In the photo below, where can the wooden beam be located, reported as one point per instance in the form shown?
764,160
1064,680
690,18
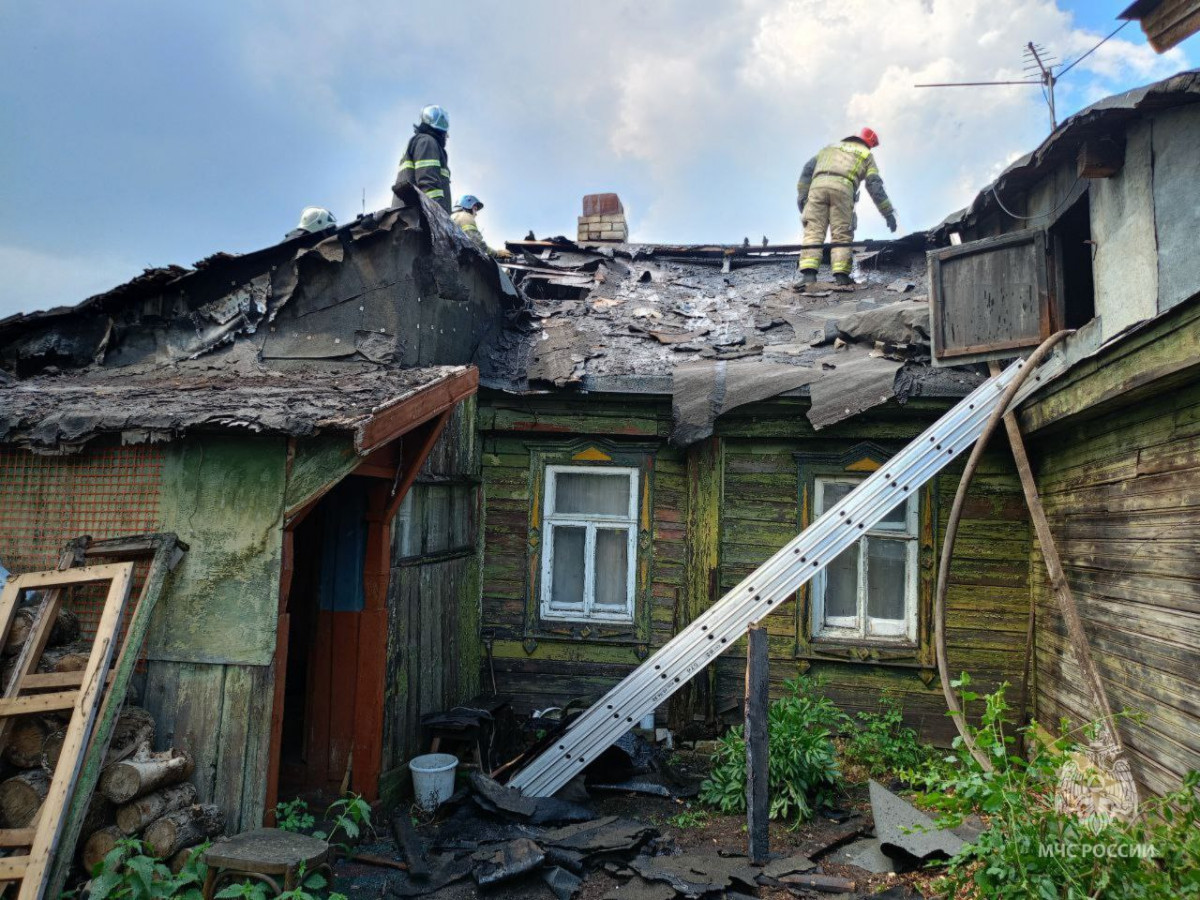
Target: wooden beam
1062,591
38,703
41,681
758,795
16,837
412,458
56,578
404,415
86,707
13,867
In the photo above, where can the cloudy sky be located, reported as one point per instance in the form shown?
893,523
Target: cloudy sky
140,133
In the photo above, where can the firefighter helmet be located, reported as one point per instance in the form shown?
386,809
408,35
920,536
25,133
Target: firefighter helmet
869,137
436,118
470,202
314,219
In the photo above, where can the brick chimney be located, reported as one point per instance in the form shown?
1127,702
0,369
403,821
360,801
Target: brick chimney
603,219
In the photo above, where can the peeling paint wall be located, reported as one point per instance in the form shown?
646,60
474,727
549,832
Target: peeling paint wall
224,496
761,448
207,680
1125,266
1177,204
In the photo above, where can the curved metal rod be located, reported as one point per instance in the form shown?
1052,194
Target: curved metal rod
943,579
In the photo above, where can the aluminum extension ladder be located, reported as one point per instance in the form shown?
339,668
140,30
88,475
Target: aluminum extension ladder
771,584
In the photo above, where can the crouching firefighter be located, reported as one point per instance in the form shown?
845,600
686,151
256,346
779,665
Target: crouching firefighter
826,194
425,162
464,216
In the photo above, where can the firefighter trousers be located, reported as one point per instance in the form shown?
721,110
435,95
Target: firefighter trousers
829,206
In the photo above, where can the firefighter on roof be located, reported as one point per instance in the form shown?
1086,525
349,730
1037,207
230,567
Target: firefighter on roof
425,163
826,194
464,217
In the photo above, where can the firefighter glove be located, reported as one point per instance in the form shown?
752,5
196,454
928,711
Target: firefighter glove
890,218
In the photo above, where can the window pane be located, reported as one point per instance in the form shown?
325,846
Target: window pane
438,518
462,525
841,585
897,519
406,527
832,492
612,567
885,578
566,589
605,495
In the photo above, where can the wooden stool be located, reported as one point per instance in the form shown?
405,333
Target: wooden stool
265,855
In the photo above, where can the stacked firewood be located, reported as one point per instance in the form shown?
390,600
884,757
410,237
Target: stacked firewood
141,794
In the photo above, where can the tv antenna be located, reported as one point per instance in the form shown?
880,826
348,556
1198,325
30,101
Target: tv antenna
1040,67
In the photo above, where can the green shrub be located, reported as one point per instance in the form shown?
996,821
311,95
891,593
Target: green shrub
293,815
803,759
1030,850
309,888
128,872
882,744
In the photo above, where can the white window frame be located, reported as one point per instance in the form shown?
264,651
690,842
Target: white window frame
586,610
862,627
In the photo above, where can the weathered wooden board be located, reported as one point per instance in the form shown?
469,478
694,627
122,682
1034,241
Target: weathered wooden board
1121,493
222,716
743,493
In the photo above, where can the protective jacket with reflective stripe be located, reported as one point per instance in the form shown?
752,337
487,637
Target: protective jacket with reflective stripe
465,219
426,165
847,163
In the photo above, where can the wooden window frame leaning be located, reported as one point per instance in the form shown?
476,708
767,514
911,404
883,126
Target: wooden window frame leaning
583,454
860,460
33,870
165,551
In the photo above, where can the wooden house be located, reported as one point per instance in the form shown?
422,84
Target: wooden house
681,414
1096,230
279,411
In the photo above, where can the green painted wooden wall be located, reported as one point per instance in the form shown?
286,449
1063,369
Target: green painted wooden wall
727,505
434,647
1118,467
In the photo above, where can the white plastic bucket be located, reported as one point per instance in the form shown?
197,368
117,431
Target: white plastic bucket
433,779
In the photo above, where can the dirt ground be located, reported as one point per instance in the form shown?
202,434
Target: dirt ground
698,829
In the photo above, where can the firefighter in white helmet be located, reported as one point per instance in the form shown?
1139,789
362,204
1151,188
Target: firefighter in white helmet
312,220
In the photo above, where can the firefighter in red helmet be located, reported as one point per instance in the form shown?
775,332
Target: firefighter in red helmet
826,194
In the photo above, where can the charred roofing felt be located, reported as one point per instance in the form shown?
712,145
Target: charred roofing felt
716,328
62,412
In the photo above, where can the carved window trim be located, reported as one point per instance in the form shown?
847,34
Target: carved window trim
862,459
586,453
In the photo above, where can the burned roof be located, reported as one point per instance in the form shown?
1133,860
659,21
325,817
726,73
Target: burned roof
699,323
1104,119
60,413
378,290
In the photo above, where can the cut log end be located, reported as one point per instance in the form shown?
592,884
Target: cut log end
144,772
139,813
184,828
98,845
21,796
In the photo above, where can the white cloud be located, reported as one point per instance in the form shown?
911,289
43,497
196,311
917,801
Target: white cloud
700,113
811,71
